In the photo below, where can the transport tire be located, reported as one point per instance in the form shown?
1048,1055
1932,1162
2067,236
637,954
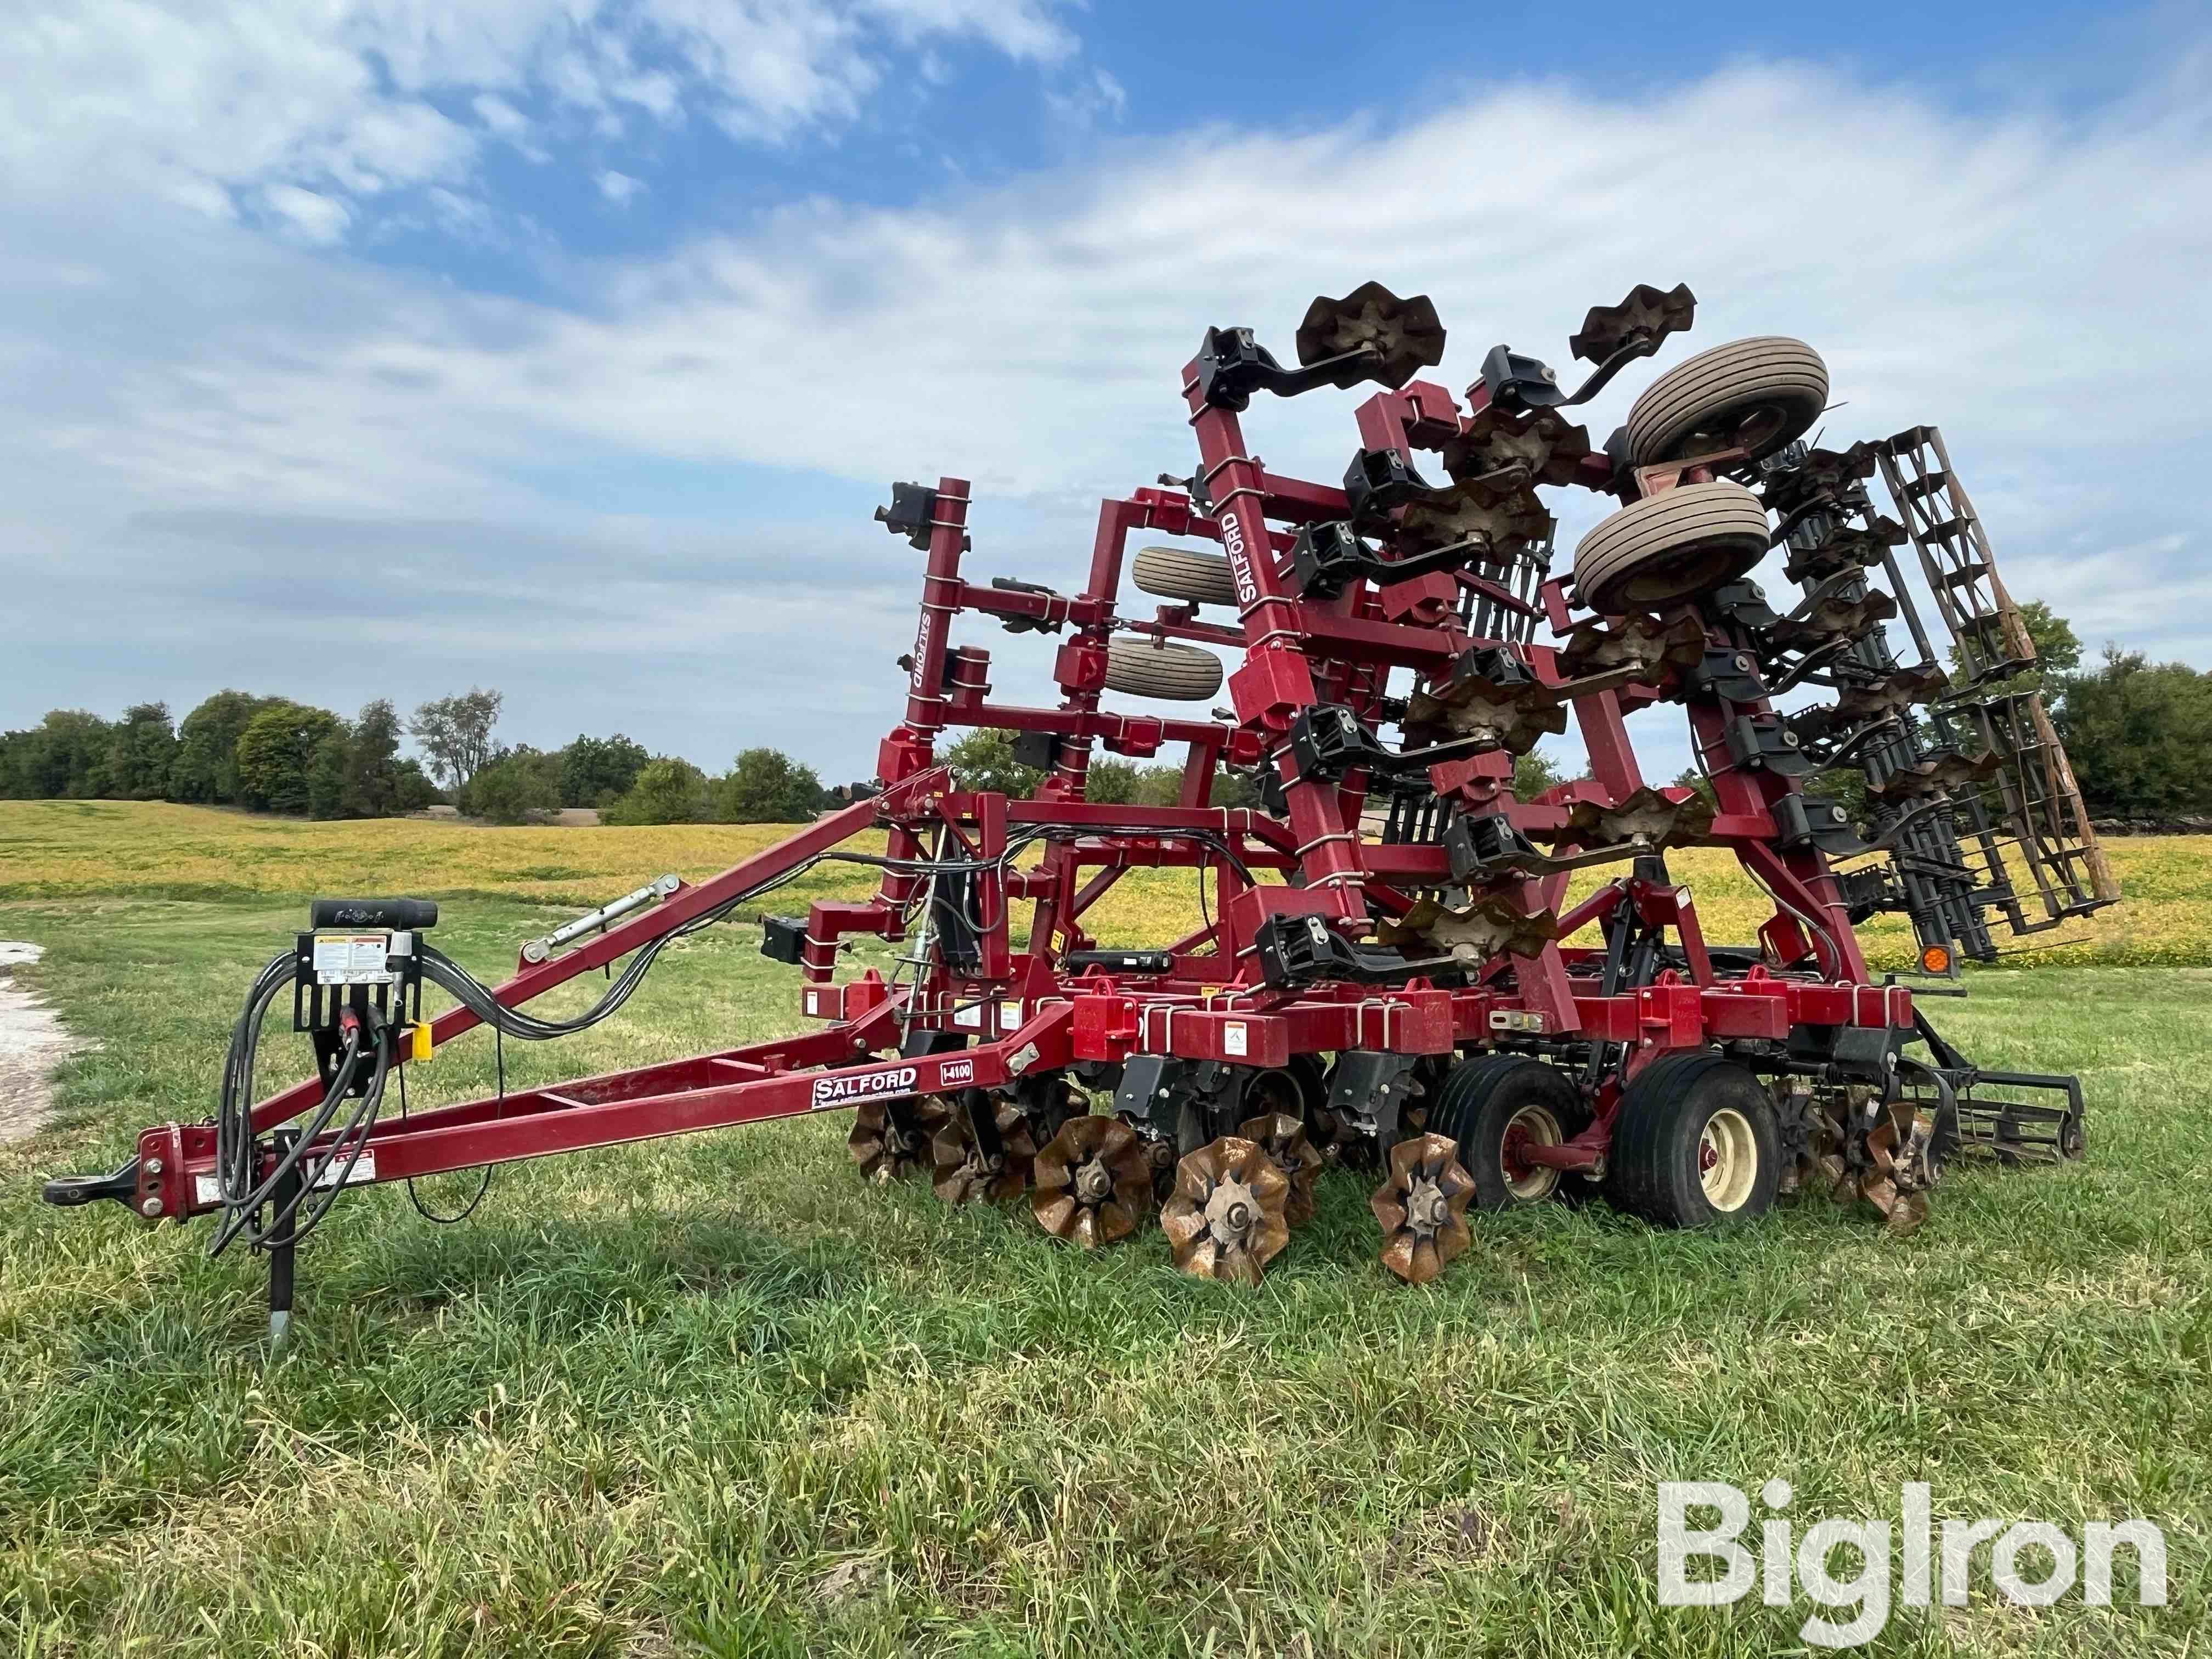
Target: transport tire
1696,1144
1165,669
1669,547
1760,393
1177,573
1494,1103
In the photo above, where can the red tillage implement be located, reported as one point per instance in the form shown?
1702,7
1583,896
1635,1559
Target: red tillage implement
1386,978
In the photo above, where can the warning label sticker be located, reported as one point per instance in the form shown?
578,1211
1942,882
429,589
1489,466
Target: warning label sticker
363,1171
352,958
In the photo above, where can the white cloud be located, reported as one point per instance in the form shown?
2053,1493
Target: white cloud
316,219
618,187
2014,279
188,101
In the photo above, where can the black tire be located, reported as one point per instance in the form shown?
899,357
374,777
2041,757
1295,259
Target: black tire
1760,393
1490,1095
1670,547
1179,573
1659,1167
1162,668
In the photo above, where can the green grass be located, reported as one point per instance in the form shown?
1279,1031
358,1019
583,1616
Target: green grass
716,1394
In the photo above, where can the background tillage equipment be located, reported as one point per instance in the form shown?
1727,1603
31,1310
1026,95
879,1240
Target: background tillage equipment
1385,975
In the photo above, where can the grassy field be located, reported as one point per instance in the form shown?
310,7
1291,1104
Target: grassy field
111,850
714,1394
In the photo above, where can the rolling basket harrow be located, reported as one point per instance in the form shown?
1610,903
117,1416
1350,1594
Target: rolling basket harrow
1389,978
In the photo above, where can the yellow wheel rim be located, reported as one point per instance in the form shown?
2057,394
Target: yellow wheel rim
1728,1160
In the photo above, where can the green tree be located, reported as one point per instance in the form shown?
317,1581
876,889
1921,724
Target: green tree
326,775
520,785
370,785
1162,786
1846,786
1534,773
141,751
455,732
2139,735
593,770
206,764
67,755
276,755
766,786
1112,782
667,791
416,789
984,760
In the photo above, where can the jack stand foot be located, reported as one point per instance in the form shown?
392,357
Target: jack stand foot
281,1247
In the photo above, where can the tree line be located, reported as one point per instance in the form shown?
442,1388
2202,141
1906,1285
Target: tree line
2139,734
265,754
269,754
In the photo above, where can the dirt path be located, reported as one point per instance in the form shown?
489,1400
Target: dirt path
32,1043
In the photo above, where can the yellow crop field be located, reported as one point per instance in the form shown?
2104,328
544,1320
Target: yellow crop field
99,849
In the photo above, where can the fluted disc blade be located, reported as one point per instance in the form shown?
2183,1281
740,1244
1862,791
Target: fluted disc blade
886,1143
1225,1219
961,1170
1092,1181
1422,1208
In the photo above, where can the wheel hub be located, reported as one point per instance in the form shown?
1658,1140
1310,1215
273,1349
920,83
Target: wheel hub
1230,1212
1427,1209
1728,1160
1525,1178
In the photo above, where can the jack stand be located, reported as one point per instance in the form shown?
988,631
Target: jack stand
280,1247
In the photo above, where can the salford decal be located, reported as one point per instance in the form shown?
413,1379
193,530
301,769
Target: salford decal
921,647
841,1088
1240,567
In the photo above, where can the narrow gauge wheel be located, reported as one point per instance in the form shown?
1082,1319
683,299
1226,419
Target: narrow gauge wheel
1696,1144
1179,573
1757,395
1224,1219
1094,1183
1670,547
1167,669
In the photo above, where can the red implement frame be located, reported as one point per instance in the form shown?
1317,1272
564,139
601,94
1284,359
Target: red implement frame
1017,1006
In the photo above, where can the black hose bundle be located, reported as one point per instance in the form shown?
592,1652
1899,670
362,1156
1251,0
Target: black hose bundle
242,1187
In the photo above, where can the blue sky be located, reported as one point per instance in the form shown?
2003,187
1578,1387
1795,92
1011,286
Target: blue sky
564,346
